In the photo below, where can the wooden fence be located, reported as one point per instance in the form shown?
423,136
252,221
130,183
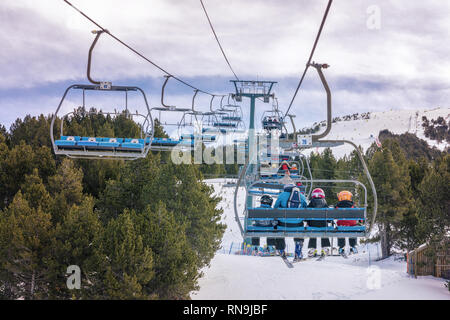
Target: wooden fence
424,262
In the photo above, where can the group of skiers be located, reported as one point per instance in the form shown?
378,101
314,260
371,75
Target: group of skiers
293,197
272,122
286,169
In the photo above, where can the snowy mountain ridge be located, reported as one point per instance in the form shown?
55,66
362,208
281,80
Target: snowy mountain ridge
364,131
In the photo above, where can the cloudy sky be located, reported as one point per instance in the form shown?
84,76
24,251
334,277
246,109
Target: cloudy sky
399,61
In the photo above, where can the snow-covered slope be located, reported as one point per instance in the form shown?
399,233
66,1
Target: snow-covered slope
363,132
359,277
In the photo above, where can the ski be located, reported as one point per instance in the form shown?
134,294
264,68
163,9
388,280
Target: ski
321,258
287,262
300,260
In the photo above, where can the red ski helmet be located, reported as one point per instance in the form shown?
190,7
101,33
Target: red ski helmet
318,194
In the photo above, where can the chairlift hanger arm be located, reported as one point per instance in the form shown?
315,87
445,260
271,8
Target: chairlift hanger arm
221,102
327,89
162,92
292,116
193,99
211,103
98,34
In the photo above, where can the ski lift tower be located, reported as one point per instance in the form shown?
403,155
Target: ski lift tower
252,90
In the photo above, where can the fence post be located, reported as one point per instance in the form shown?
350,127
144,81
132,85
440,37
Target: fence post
407,262
415,264
378,252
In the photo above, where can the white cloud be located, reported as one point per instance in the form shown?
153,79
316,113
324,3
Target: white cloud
263,38
46,41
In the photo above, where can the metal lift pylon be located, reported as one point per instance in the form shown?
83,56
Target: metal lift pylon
253,90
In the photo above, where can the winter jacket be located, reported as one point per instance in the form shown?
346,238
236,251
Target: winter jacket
283,199
264,223
317,203
282,202
346,204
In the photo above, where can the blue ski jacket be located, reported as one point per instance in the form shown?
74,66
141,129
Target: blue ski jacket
283,198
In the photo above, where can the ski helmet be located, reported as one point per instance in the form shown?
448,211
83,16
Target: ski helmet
265,199
318,194
345,195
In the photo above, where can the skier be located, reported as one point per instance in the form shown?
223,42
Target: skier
284,168
285,200
266,202
294,168
318,201
345,199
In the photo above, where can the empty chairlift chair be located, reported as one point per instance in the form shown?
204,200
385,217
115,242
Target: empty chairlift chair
95,147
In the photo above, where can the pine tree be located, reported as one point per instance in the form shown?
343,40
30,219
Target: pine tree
33,131
129,260
175,261
159,222
66,188
390,175
17,165
434,202
26,245
78,241
4,154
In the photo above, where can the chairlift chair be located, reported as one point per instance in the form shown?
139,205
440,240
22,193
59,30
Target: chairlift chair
292,222
125,148
168,144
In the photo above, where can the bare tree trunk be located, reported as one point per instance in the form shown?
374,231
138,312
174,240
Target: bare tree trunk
384,242
32,284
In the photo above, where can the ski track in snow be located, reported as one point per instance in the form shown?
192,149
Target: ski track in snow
267,278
